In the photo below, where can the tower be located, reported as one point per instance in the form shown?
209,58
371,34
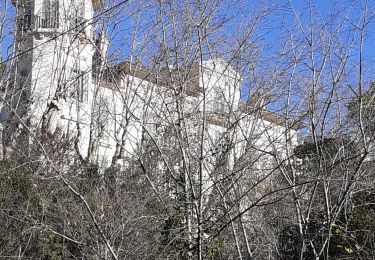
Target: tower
52,69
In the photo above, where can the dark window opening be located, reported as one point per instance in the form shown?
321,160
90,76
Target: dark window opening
49,17
78,87
77,19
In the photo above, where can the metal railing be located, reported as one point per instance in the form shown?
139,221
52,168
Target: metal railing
46,21
50,21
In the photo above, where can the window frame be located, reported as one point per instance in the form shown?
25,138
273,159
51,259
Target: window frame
79,87
50,15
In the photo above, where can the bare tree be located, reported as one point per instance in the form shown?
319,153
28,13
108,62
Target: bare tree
168,129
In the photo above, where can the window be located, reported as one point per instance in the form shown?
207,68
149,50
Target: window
24,20
77,17
24,73
49,17
219,102
78,88
27,15
23,76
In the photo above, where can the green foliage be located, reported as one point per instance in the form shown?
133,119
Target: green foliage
171,231
28,206
15,185
325,149
2,68
90,177
353,235
290,243
365,104
217,247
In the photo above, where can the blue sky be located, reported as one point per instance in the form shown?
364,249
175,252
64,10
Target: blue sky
275,24
271,32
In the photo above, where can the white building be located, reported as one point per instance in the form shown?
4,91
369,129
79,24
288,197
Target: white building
61,84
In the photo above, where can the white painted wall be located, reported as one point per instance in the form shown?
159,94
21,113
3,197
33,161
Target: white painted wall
124,111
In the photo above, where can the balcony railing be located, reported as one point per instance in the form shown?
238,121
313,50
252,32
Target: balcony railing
46,21
77,25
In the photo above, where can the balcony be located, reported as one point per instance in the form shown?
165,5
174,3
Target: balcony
39,23
46,21
49,23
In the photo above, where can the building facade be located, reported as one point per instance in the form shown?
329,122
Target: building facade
63,84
